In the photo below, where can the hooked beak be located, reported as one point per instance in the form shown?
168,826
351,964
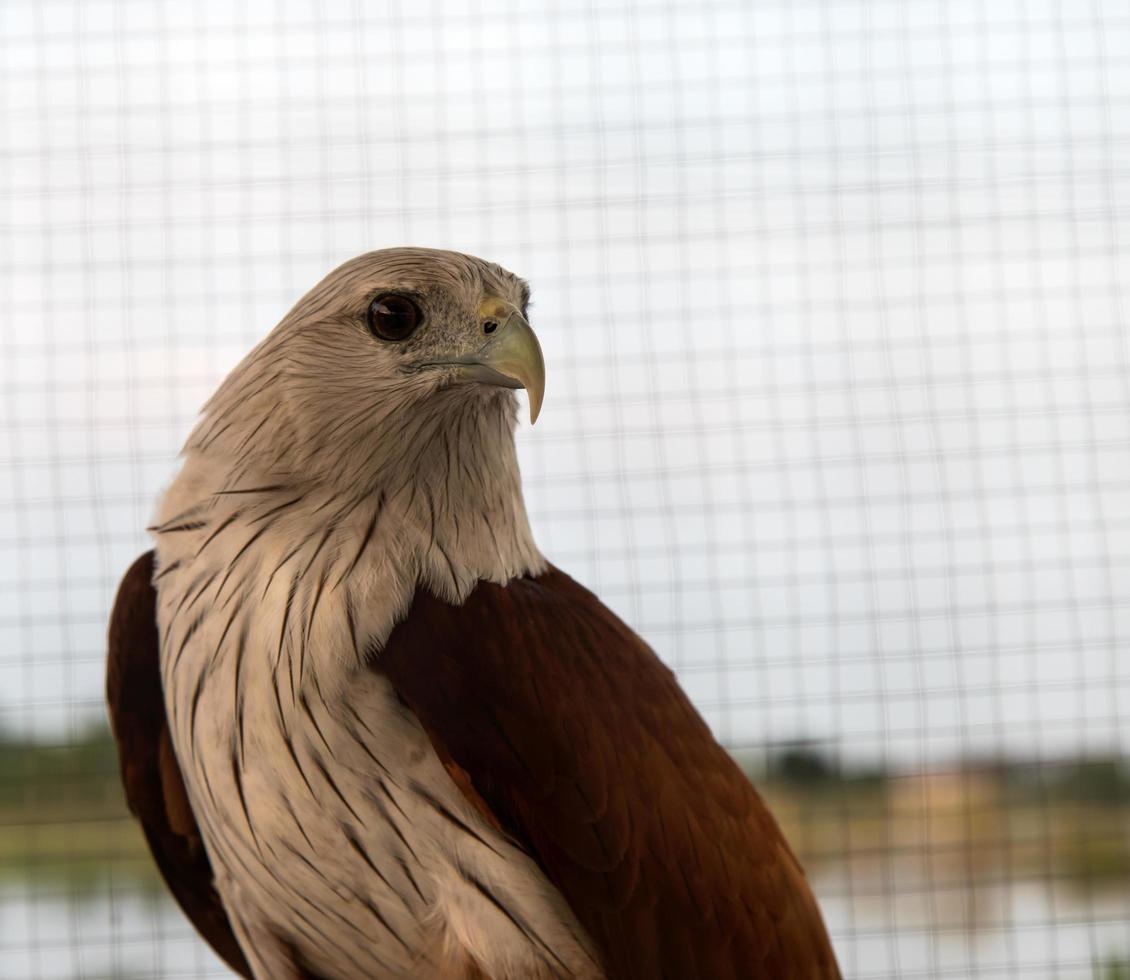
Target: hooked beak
511,358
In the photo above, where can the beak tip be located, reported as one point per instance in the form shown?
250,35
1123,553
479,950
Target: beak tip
513,359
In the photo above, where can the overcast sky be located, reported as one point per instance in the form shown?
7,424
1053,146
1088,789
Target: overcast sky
838,400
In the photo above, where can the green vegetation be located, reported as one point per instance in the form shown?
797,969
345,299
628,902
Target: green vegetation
37,774
958,830
1066,820
62,815
1117,968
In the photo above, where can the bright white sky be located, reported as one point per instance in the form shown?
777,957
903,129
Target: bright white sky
838,410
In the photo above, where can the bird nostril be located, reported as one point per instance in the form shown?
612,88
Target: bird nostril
490,326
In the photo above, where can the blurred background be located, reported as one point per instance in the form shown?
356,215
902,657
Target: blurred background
832,298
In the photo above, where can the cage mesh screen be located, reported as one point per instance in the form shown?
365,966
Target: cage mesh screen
837,416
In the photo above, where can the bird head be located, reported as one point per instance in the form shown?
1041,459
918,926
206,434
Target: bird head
388,351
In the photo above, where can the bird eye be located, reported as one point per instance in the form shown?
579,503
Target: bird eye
393,317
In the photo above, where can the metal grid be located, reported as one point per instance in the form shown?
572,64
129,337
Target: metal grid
838,408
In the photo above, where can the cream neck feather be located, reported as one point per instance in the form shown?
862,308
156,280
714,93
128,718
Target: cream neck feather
318,558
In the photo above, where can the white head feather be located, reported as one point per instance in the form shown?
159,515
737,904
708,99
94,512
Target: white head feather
330,466
334,473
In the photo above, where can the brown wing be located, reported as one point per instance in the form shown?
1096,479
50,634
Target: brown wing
154,788
585,748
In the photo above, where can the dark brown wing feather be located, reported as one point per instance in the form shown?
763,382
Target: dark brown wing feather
154,788
584,747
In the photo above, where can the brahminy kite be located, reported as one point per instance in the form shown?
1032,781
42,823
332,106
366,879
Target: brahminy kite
370,731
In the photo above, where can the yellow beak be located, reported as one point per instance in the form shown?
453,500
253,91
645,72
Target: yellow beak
511,358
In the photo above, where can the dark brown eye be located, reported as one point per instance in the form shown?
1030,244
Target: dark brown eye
393,317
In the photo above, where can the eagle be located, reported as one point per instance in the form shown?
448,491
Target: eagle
370,731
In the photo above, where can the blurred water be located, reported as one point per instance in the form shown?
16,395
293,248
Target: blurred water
1025,929
112,930
1028,930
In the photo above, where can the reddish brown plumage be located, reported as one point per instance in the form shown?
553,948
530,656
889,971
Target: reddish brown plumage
587,751
565,730
153,785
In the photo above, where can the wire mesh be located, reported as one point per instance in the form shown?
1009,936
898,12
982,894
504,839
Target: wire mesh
838,408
